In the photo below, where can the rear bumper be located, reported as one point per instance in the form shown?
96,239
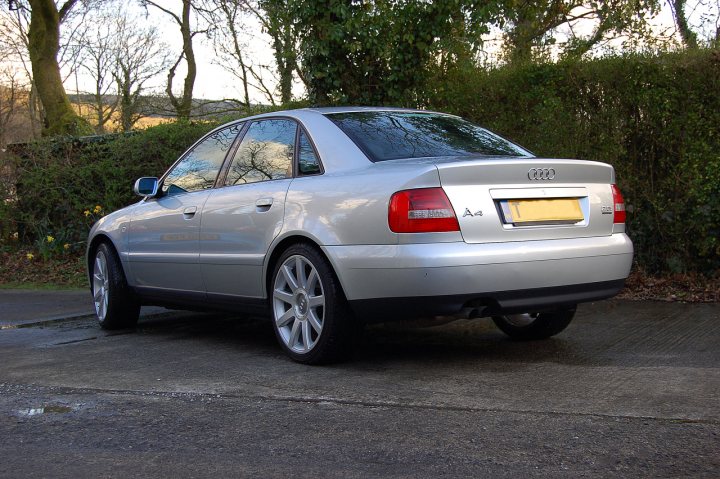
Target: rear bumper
442,278
486,304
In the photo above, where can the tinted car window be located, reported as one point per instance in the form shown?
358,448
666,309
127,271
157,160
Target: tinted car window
387,135
265,153
198,170
307,158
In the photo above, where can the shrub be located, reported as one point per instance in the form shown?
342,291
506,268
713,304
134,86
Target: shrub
64,184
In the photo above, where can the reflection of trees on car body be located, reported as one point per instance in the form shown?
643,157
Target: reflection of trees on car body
265,153
418,135
199,168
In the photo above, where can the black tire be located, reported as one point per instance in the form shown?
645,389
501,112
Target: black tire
543,326
292,307
122,309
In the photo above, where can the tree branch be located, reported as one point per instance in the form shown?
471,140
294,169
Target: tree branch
65,9
177,18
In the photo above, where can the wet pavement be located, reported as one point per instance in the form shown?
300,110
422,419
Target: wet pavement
24,307
18,307
630,389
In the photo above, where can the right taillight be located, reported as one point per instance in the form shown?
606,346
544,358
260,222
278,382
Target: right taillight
422,210
618,205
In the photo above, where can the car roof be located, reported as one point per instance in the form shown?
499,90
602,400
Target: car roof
348,109
299,113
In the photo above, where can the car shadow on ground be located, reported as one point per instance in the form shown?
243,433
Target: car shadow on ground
621,333
379,344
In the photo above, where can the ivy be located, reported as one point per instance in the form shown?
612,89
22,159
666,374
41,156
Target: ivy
381,52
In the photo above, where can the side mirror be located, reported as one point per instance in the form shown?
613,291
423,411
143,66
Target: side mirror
146,186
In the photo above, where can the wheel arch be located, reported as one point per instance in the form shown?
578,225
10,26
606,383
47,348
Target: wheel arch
92,248
282,244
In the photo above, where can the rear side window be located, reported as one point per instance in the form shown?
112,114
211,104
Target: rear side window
265,153
307,158
392,135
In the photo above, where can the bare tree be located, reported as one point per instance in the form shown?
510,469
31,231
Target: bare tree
99,62
13,99
14,43
230,40
275,17
278,22
184,20
140,56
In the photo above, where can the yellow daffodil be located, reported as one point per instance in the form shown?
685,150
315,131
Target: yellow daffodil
66,246
30,256
86,212
50,239
97,209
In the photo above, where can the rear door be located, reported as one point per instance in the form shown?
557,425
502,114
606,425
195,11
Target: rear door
241,219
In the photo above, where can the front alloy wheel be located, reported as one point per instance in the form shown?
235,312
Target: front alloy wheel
101,285
311,317
116,306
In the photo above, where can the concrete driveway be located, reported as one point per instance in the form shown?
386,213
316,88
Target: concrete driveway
630,389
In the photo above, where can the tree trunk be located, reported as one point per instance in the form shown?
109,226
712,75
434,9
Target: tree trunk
186,104
689,37
183,105
44,43
127,110
520,39
287,66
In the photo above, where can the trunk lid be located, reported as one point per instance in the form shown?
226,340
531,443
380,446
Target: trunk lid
520,199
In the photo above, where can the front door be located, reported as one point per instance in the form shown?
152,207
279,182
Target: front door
164,239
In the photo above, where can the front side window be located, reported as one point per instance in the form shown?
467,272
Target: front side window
393,135
200,167
265,153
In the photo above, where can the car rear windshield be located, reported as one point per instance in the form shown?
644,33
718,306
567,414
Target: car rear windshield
392,135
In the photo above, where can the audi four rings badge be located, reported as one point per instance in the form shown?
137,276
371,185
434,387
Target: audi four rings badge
541,174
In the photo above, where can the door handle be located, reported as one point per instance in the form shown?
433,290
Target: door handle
263,204
189,212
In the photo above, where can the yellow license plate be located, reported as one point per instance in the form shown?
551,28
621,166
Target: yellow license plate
534,211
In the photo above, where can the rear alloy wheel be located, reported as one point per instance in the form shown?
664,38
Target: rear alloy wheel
530,326
311,317
115,304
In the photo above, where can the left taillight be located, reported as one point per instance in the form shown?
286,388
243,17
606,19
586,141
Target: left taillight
618,205
423,210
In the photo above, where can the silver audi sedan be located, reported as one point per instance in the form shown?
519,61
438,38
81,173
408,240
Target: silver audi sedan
330,218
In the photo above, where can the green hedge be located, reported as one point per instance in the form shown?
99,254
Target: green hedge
60,181
656,119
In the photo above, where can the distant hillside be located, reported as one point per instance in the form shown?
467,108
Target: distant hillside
159,106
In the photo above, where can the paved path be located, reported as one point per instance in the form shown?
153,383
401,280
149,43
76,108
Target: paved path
21,307
631,389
